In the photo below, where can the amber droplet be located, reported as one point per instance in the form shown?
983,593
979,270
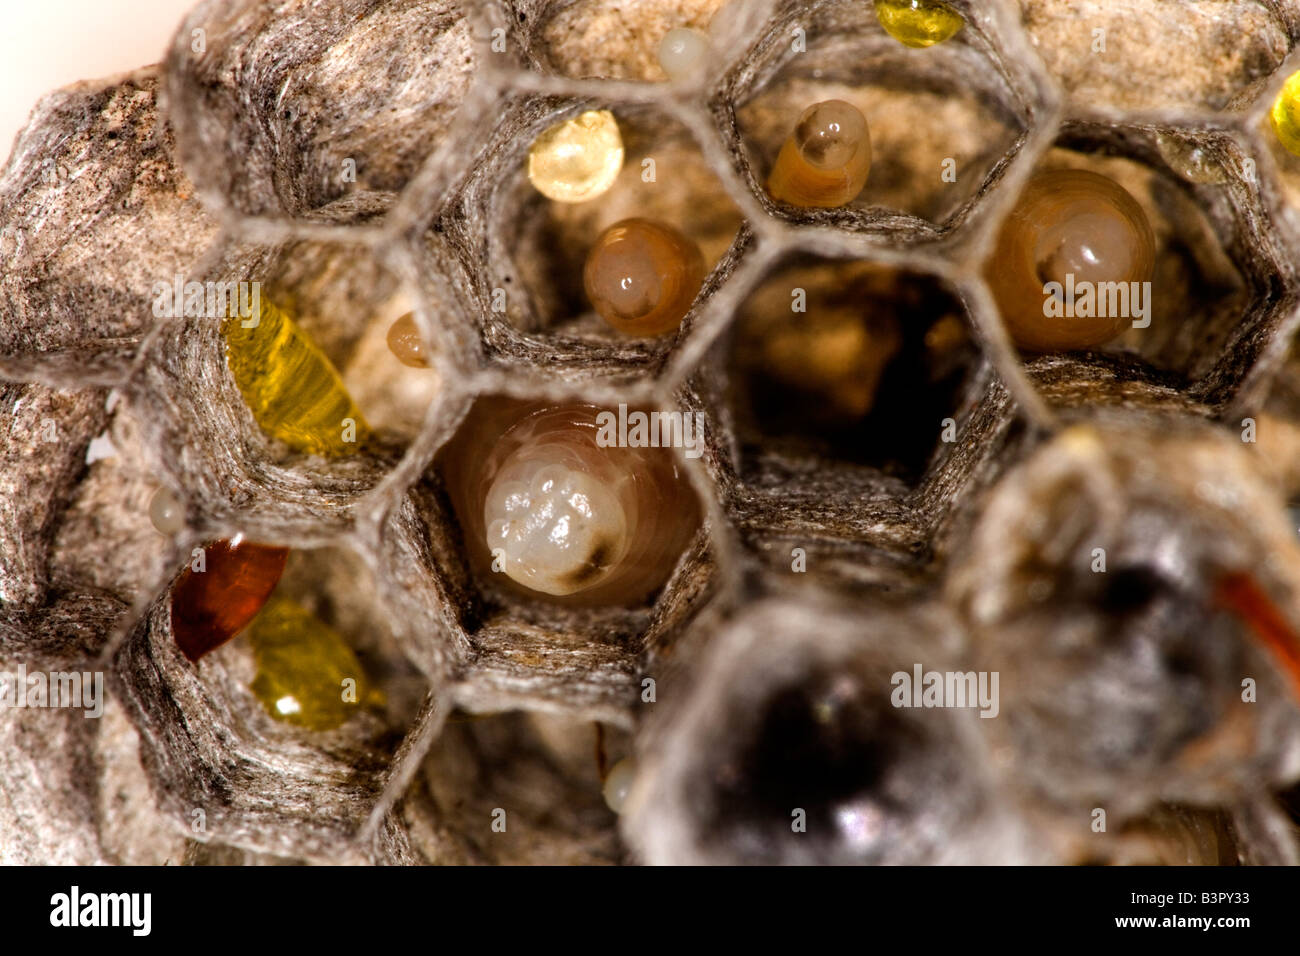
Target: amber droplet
643,276
293,391
1071,231
211,606
546,505
302,664
404,342
826,160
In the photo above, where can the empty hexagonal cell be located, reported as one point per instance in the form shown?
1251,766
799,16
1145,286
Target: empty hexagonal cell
1155,574
282,365
795,746
103,145
525,788
603,280
1152,54
303,707
1142,246
845,373
937,122
352,114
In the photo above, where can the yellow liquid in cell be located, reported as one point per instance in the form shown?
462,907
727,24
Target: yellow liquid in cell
302,664
918,23
289,385
1285,114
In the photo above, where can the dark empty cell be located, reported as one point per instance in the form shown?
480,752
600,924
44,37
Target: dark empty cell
865,375
820,746
1130,589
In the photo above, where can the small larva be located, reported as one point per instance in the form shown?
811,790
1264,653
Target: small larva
825,160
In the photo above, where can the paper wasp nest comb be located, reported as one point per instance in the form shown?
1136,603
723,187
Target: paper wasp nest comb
270,290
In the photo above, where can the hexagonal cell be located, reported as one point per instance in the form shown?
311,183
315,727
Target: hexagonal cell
89,181
353,113
848,375
605,38
281,373
941,121
792,748
526,788
302,710
1150,54
1219,284
524,623
520,267
1136,564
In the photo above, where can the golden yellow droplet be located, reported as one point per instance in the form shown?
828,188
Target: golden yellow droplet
918,23
577,159
1285,114
303,665
289,385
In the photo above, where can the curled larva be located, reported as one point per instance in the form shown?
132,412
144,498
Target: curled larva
1071,229
544,506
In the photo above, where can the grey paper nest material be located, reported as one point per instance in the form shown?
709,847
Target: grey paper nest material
360,157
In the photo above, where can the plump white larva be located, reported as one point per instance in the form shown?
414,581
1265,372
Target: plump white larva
682,51
558,528
549,510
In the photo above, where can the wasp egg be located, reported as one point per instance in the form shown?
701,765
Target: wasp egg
289,385
825,161
643,276
577,159
619,783
918,23
1285,114
682,52
302,666
213,601
167,512
404,342
1072,236
561,511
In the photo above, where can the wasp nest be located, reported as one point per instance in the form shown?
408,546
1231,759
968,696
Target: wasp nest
911,587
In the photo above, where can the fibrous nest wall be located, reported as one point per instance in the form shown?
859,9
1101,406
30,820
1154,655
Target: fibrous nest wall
362,158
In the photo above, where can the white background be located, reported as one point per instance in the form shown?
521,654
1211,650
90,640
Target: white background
45,44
